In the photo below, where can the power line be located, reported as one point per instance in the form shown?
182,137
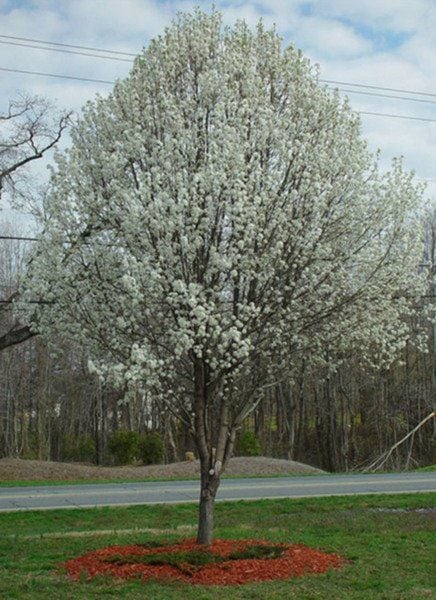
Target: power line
25,39
105,81
112,82
27,302
347,91
34,239
56,76
52,302
22,239
377,114
129,60
134,54
377,87
382,95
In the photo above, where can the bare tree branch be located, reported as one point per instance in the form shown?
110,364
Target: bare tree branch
381,460
28,130
16,336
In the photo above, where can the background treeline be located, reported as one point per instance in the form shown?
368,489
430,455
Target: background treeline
51,408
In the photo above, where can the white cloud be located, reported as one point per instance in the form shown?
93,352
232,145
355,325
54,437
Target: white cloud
401,15
329,38
39,18
113,20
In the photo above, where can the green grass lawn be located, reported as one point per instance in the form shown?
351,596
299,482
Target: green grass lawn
390,550
50,482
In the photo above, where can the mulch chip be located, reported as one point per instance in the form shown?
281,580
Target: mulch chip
297,560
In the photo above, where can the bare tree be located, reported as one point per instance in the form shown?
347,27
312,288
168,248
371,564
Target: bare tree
29,128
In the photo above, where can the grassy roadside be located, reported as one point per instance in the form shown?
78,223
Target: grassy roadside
45,482
385,537
51,482
428,469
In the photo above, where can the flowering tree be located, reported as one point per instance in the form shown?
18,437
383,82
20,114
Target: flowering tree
217,214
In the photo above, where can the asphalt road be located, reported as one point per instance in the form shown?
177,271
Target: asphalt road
123,494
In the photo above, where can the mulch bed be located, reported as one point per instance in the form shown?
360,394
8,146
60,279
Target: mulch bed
222,565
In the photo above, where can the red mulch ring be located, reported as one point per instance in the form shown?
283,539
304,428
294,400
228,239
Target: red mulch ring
295,561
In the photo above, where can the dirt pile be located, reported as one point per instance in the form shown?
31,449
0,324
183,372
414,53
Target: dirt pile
14,469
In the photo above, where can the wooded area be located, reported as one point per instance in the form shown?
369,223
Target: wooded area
52,408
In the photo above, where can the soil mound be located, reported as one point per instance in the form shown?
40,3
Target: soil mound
14,469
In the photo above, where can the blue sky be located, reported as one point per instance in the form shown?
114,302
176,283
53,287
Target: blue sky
389,43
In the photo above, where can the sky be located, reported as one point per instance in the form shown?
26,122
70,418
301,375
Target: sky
389,43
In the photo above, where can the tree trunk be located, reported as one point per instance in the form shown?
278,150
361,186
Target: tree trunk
171,452
209,487
214,438
99,422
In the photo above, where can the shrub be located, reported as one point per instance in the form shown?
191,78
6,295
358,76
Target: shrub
124,446
151,448
78,448
30,450
248,444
